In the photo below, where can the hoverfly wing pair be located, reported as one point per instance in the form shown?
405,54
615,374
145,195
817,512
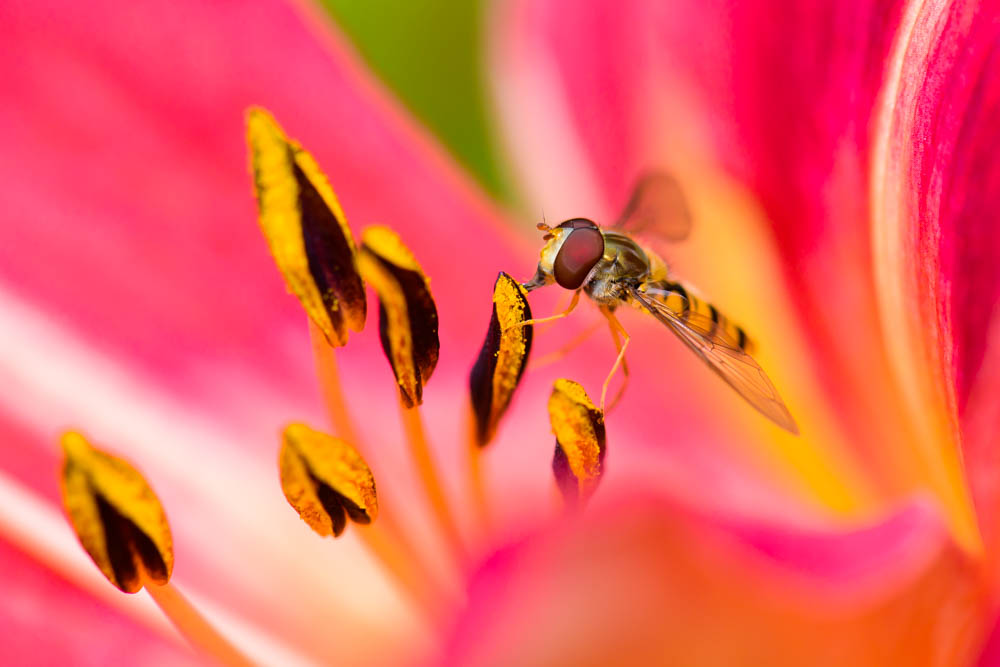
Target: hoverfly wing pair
658,209
723,355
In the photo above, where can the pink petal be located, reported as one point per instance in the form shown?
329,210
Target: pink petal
654,582
48,621
940,179
139,302
990,656
127,178
236,541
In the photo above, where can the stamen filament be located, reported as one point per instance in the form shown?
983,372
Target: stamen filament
424,461
477,486
193,626
386,540
329,382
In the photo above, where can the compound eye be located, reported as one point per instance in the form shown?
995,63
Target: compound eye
578,223
582,249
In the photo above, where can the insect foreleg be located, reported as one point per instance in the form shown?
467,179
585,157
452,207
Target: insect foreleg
622,345
564,299
618,347
558,354
558,316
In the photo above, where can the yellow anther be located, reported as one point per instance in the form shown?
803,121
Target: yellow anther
408,319
580,440
503,357
386,243
305,229
117,517
325,480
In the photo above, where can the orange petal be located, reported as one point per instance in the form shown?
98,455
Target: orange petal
655,582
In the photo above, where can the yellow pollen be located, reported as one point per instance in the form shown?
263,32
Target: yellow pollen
509,299
278,163
386,244
117,517
324,478
408,318
121,524
575,422
397,325
408,323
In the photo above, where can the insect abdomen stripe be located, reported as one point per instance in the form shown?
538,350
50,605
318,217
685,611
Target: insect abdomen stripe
716,318
679,290
742,338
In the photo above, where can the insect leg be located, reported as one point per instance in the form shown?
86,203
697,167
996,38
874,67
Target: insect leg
560,305
616,328
558,354
558,316
618,346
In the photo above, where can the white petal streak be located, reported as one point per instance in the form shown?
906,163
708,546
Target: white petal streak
236,539
31,523
39,529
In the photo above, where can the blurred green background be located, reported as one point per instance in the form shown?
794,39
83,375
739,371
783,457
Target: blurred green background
430,52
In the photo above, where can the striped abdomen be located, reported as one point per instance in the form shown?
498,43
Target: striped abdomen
698,312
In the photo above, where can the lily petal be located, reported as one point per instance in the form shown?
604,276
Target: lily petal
128,177
936,187
143,304
669,582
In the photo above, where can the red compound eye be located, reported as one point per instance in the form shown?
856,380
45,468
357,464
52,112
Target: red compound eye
578,223
581,250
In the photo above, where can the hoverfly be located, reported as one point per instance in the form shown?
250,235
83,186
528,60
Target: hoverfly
612,268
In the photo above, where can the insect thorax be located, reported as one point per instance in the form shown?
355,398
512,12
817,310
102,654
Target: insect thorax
624,261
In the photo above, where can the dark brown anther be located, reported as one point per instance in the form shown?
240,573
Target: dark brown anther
305,229
504,355
325,479
408,319
578,461
116,516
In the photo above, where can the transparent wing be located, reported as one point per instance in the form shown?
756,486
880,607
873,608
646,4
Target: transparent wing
700,324
724,356
656,209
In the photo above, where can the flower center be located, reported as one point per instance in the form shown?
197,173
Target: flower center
325,478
